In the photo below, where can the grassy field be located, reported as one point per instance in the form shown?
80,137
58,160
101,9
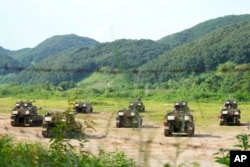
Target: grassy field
204,113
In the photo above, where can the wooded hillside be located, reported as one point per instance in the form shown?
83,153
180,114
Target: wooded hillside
201,55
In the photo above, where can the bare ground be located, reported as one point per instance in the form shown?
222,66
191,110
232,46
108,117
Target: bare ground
147,145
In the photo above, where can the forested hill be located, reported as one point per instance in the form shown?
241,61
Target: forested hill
227,44
4,51
53,45
6,64
199,49
75,65
201,29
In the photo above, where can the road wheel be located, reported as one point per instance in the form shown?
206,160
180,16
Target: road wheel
13,124
238,122
45,134
118,123
139,123
190,130
31,123
167,132
88,110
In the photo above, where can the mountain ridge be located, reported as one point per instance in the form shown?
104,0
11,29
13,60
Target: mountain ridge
86,55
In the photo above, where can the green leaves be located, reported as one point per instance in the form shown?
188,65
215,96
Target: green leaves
34,154
243,140
223,157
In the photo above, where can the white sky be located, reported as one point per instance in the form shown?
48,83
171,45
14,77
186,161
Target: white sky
26,23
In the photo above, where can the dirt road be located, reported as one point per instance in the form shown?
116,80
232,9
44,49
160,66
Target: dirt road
146,145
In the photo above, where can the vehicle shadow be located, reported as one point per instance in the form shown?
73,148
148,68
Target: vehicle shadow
241,124
206,136
195,136
150,126
245,124
88,113
88,136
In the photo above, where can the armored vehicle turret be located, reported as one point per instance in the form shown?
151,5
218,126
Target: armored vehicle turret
83,107
137,105
24,113
128,118
60,122
179,120
230,114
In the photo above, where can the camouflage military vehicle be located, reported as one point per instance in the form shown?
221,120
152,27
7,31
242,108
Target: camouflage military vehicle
179,121
230,114
128,118
137,105
60,123
24,113
83,107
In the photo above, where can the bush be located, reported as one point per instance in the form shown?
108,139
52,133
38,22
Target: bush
34,154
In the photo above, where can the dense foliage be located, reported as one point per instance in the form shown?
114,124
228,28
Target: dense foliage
8,65
207,60
201,30
28,154
51,46
205,54
75,65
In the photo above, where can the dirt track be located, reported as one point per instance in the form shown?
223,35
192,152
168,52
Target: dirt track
147,145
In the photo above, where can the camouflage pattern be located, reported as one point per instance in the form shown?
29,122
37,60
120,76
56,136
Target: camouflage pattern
64,120
179,120
83,107
24,113
230,114
128,118
137,105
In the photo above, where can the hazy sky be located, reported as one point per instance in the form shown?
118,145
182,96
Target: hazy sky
26,23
